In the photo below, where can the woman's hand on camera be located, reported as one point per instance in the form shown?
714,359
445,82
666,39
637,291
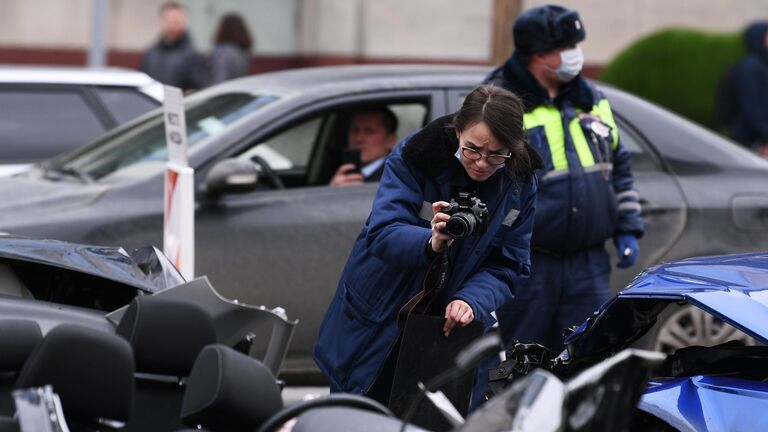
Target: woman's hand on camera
458,312
440,239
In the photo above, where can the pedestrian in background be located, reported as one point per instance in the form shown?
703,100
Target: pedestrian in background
173,59
231,54
586,192
750,126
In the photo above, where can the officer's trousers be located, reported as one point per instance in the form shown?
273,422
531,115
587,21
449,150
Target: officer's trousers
563,291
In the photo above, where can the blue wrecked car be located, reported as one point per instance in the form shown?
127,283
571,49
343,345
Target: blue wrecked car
698,388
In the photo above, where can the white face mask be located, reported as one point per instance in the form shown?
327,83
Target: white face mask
571,62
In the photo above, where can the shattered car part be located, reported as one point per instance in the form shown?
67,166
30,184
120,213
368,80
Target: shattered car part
698,388
95,277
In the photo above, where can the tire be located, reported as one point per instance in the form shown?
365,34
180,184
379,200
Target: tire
686,325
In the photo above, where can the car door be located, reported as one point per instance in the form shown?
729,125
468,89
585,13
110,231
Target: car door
287,247
663,204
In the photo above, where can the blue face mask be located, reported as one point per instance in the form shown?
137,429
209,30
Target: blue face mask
571,62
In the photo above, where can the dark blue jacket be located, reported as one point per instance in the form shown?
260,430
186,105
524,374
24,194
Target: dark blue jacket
176,63
751,124
389,260
587,190
228,61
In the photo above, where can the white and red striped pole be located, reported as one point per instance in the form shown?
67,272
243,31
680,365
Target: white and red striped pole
179,197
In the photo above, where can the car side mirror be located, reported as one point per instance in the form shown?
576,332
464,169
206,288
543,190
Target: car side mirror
231,176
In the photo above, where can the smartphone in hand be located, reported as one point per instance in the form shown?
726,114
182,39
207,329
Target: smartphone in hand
352,156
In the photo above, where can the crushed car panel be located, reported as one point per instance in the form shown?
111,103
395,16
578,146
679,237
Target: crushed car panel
733,288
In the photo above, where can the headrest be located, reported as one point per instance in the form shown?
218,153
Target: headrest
90,370
166,334
17,340
228,390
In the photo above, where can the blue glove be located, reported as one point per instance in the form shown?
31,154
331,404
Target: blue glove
627,249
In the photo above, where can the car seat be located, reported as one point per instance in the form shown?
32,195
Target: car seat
229,391
166,336
91,371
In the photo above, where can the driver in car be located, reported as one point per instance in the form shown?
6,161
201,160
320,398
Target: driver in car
372,135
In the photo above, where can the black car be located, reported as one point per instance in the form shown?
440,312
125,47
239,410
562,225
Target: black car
283,240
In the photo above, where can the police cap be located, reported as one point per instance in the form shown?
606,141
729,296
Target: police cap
545,28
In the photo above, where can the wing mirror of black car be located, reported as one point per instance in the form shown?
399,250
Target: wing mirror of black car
231,176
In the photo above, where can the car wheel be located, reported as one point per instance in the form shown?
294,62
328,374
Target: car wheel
689,326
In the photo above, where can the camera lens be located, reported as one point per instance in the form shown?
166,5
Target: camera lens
460,225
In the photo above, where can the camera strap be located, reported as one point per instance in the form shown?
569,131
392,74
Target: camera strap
427,301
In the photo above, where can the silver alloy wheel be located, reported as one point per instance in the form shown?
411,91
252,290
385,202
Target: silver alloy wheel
692,326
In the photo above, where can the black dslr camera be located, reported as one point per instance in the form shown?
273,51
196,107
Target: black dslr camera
468,214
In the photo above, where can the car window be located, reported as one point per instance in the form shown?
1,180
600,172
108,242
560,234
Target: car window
642,160
410,117
289,149
145,142
309,152
125,103
38,124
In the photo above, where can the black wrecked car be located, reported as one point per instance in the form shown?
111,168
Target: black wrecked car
130,362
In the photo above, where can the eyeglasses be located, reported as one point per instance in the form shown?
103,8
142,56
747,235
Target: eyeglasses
492,159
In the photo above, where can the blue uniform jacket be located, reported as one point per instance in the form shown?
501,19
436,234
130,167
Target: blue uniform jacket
581,206
751,123
388,262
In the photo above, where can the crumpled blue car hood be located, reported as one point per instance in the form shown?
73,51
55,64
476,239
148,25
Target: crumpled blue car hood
733,288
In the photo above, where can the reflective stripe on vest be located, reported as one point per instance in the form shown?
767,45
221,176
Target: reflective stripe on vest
549,117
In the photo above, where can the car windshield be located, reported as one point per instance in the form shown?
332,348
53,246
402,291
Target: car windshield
145,142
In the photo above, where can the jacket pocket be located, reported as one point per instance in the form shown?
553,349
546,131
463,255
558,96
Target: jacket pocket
370,287
355,307
345,336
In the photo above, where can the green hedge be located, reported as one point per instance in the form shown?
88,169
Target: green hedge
677,68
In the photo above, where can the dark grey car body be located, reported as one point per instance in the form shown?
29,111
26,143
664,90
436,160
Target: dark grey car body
701,194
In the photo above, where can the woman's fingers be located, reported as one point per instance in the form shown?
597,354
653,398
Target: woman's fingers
439,230
440,218
449,318
466,317
439,236
437,206
459,313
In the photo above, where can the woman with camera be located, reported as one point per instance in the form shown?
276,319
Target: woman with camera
478,155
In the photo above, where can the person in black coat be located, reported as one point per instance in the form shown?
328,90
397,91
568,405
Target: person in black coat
231,55
173,60
751,123
372,131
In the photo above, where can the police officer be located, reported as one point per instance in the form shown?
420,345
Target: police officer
586,194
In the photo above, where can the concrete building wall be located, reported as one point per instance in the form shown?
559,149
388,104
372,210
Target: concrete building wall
331,27
338,31
52,23
444,29
451,29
